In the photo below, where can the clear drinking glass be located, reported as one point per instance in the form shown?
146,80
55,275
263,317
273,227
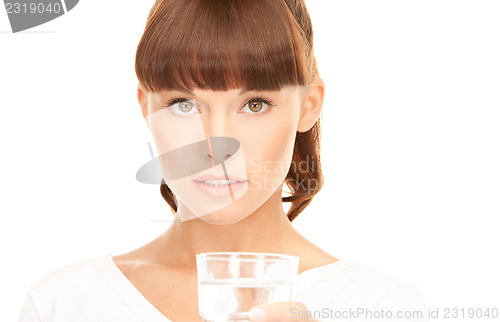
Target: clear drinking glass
231,283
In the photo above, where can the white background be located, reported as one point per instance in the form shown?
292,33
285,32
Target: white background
410,145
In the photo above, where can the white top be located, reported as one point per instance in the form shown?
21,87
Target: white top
96,290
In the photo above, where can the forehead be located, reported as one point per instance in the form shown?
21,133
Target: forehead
201,92
286,90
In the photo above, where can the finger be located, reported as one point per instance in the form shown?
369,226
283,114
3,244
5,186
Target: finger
280,311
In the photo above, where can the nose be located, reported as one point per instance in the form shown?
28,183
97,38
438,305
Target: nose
221,148
216,123
227,156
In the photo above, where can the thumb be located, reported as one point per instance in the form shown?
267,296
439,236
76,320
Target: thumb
278,311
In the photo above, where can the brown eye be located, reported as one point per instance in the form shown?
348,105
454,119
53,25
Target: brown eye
255,106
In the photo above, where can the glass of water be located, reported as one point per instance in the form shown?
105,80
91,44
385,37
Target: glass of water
231,283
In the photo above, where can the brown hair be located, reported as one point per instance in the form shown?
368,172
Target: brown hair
231,44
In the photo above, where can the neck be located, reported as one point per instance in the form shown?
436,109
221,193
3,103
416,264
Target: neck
267,229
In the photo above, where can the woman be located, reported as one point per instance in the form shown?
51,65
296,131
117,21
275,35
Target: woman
232,95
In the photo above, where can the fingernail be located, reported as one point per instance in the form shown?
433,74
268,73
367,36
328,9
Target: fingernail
257,314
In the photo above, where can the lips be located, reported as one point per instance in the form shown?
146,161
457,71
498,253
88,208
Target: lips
219,186
211,177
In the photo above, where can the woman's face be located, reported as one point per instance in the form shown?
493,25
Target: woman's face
206,138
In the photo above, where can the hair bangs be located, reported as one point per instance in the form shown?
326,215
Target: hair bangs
222,45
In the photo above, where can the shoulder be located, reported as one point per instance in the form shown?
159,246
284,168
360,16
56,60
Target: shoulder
74,276
352,284
80,291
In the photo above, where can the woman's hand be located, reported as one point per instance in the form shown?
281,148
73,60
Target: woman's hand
280,311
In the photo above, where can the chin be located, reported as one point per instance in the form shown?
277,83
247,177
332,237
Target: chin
225,217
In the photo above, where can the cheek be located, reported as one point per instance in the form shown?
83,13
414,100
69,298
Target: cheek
280,147
170,132
268,151
281,138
